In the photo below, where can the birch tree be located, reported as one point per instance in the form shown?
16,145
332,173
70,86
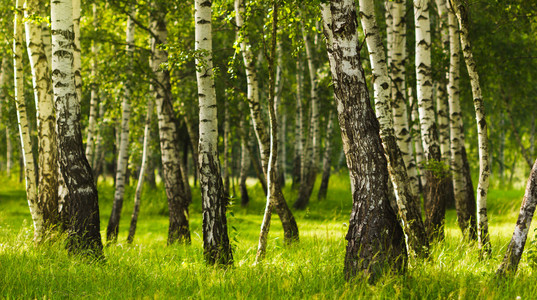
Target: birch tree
435,186
216,247
484,165
286,216
407,201
464,199
398,74
47,185
143,169
441,92
522,227
92,119
82,199
327,158
24,129
178,200
375,237
123,155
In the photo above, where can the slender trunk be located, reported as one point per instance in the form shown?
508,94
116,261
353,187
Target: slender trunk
327,158
290,227
280,116
82,199
484,166
520,234
98,157
299,127
416,140
501,151
92,120
400,114
178,201
193,135
216,247
123,155
47,42
441,94
141,176
245,164
272,171
47,184
460,185
306,186
407,201
3,69
375,238
470,196
226,149
436,176
24,129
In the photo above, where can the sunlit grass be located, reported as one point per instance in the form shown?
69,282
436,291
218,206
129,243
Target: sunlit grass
312,268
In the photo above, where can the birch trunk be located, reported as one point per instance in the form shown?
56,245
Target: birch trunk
123,154
327,158
463,196
436,181
92,120
82,199
300,138
484,166
290,227
141,176
245,164
407,201
310,163
178,201
216,247
3,98
280,116
375,238
47,42
24,129
520,234
226,181
272,171
3,68
47,184
416,140
400,114
441,94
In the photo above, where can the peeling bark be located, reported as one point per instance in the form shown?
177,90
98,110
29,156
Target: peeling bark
375,238
82,198
520,234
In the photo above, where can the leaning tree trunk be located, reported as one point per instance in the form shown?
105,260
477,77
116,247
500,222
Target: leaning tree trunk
272,171
464,197
141,176
216,247
375,238
520,235
47,184
327,158
484,166
24,129
290,227
123,155
407,201
82,198
397,70
92,120
436,177
280,116
178,201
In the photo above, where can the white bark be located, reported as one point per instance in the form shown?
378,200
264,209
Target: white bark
441,93
215,237
77,60
416,137
407,201
522,227
92,120
82,203
24,129
484,165
123,154
47,185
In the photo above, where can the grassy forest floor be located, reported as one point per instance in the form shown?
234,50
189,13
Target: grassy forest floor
311,269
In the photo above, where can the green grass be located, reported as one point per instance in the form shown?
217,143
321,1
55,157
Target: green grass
308,270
